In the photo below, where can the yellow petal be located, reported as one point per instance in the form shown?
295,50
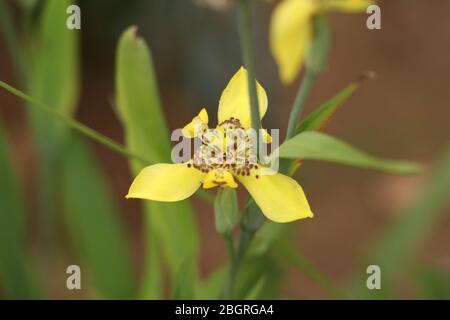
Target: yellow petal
235,101
197,125
280,197
350,6
166,182
290,36
219,178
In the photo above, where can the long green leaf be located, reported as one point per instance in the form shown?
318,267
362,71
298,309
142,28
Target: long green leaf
401,238
318,119
146,133
54,74
94,224
319,146
211,287
434,284
14,276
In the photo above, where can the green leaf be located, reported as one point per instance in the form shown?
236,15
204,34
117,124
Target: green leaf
289,254
140,111
400,240
319,146
226,210
211,287
257,289
15,279
318,119
252,271
184,286
434,284
94,224
54,74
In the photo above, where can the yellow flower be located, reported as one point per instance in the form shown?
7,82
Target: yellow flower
291,30
226,156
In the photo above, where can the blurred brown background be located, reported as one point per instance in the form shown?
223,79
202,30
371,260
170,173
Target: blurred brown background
403,114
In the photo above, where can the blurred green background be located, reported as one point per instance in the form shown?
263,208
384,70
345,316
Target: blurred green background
403,114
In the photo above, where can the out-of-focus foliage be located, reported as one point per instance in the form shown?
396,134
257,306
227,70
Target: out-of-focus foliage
404,236
54,71
94,224
15,279
171,228
434,284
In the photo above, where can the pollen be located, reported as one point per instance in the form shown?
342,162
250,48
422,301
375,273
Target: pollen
225,151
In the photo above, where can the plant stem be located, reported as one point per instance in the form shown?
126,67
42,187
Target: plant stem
227,291
81,128
236,258
302,95
12,42
78,126
246,37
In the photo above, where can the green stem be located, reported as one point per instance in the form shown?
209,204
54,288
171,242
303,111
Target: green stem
236,259
104,140
302,95
227,291
74,124
12,42
246,37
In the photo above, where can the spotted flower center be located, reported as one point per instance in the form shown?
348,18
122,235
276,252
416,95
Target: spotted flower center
227,148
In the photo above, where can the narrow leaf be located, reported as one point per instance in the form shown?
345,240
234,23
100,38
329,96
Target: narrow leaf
434,284
139,107
94,224
401,238
319,146
54,70
318,119
15,279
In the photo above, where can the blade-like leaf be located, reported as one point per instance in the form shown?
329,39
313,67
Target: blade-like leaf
318,119
319,146
140,111
211,287
184,287
15,280
434,284
401,238
94,224
54,74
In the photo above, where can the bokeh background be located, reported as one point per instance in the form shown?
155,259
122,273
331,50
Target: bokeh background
404,114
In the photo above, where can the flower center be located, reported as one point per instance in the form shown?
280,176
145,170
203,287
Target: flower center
229,148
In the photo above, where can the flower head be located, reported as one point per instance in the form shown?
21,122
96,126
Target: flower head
291,30
226,156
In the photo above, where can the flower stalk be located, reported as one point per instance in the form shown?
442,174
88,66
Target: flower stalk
302,95
246,37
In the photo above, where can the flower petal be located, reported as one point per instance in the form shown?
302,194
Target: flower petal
350,6
235,101
197,125
166,182
280,197
219,178
290,36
